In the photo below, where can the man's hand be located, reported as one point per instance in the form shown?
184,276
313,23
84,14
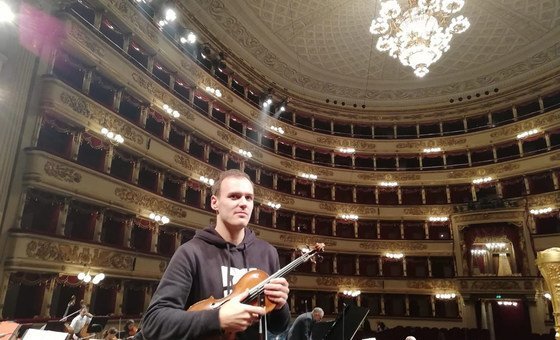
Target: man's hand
277,291
236,316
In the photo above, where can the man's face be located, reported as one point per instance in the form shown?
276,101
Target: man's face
83,311
317,316
234,202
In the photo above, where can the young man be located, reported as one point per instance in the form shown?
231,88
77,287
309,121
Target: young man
301,328
80,321
209,265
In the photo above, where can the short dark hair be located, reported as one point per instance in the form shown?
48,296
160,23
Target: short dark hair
228,173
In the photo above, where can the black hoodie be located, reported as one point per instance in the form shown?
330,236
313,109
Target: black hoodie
197,271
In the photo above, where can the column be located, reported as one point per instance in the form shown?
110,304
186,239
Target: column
99,226
335,264
136,171
75,147
47,298
166,130
119,298
60,227
433,303
4,289
127,234
86,83
108,159
155,237
117,97
406,305
548,262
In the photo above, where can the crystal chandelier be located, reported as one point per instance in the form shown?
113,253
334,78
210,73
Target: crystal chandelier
419,35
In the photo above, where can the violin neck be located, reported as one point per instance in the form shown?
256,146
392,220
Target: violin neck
258,289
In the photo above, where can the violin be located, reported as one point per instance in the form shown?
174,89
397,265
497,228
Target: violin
254,280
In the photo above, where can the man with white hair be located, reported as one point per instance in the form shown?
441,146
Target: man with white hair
410,337
301,328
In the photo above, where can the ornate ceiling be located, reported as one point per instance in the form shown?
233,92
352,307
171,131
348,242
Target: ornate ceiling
323,49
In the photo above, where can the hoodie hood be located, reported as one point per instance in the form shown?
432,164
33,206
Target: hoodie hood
210,236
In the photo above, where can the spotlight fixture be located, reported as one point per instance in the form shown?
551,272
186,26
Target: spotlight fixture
159,219
349,217
495,245
273,205
432,150
169,17
478,252
309,176
547,296
438,218
170,111
482,180
346,150
277,129
189,38
351,293
528,133
214,91
114,138
508,303
388,184
267,102
445,296
395,256
6,13
244,153
86,277
540,211
205,180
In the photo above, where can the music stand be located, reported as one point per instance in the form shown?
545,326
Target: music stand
55,325
95,322
347,323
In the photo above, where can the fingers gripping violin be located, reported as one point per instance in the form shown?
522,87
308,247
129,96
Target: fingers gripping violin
254,281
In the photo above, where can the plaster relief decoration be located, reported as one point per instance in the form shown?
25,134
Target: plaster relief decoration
389,246
237,142
150,202
62,172
444,142
345,142
101,116
132,16
292,279
349,209
62,252
388,177
548,262
490,285
148,85
431,284
300,168
465,220
342,282
555,157
552,198
196,167
298,239
433,211
269,195
162,266
486,171
85,38
529,124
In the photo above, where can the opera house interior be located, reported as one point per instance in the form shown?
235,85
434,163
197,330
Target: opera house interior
427,162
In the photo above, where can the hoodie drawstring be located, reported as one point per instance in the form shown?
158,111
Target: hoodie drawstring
229,285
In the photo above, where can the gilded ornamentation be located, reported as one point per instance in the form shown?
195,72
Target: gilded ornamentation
548,262
150,202
342,282
292,279
393,245
529,124
361,210
149,85
269,195
551,198
440,210
236,141
483,217
297,167
480,172
195,166
334,142
86,40
493,285
62,252
430,143
303,239
135,18
555,157
101,116
388,177
77,104
62,172
431,284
